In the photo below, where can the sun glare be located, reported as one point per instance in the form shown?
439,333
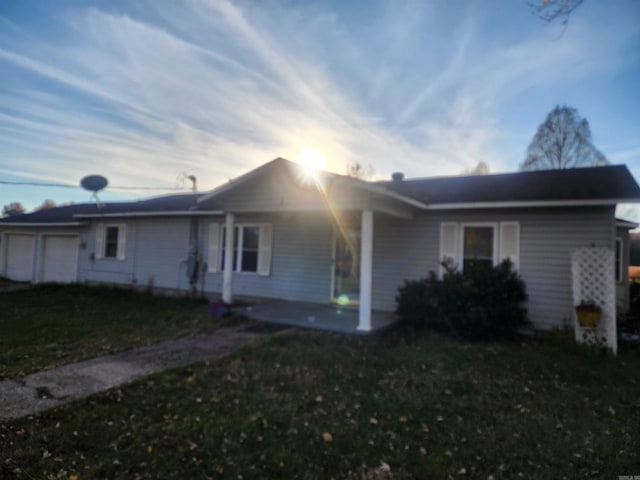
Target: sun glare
312,161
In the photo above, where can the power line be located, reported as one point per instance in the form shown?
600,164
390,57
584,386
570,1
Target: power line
66,185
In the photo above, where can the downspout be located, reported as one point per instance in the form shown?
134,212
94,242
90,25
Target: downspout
193,259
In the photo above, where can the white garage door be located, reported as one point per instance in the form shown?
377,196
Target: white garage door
59,258
19,257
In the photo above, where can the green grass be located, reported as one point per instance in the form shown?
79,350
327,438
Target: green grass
51,325
311,405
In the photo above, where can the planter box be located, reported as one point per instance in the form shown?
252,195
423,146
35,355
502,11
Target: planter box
588,317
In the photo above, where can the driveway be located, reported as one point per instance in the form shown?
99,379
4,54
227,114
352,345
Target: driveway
43,390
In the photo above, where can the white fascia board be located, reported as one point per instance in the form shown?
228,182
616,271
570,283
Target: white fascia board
43,224
526,204
149,214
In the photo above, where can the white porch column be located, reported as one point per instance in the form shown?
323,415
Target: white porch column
366,268
227,274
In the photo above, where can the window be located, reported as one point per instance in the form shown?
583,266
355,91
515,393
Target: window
251,248
246,240
478,246
110,241
618,259
486,243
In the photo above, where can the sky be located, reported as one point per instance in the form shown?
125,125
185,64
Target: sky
148,92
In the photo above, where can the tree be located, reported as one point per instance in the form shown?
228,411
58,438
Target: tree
14,208
356,170
480,169
48,203
563,141
549,10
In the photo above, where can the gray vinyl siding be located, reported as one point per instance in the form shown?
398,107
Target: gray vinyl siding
409,249
301,260
155,254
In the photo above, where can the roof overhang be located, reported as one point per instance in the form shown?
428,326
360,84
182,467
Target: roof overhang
186,213
620,223
529,204
43,224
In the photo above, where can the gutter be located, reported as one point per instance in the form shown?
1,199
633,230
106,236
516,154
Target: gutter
529,204
43,224
185,213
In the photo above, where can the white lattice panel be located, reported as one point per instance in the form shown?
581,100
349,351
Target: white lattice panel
593,276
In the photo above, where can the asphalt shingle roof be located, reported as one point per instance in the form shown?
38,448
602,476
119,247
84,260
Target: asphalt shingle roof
613,182
168,203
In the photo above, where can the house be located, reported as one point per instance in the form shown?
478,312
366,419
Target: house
333,239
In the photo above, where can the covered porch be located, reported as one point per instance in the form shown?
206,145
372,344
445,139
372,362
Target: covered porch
261,215
329,317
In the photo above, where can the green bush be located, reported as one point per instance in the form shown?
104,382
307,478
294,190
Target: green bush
479,303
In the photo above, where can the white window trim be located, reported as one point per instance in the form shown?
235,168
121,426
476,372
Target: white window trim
463,226
101,241
619,260
238,259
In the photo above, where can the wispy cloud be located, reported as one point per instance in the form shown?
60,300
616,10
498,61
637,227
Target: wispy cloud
214,87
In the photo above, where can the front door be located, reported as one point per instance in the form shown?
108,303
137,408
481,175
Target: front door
346,267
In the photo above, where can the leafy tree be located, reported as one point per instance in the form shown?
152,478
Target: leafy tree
48,203
14,208
563,141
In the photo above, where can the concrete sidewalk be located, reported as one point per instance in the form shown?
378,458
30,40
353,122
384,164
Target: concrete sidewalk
20,397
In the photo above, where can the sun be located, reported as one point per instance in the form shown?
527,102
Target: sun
312,161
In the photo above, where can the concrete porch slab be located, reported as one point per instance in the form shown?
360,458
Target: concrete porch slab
316,315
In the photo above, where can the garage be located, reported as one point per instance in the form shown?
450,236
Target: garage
19,257
59,262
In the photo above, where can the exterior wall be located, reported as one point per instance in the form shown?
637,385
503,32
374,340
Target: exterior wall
301,259
622,287
302,254
409,249
156,251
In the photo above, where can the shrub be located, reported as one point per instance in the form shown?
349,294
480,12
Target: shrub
479,303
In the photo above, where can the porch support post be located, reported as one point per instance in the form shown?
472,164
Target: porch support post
366,268
227,274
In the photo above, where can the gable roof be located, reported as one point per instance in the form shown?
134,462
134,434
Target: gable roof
323,178
577,186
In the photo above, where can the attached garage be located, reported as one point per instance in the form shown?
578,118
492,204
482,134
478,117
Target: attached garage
18,255
59,260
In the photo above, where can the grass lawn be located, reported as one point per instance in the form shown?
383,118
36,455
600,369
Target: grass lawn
51,325
321,406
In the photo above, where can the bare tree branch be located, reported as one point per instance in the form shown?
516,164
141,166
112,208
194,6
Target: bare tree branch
550,10
562,141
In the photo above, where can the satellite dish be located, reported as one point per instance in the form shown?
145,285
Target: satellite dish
94,183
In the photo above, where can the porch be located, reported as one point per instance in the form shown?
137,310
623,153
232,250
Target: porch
315,315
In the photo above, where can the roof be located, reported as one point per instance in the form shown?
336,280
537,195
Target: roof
606,185
628,224
71,214
596,185
324,178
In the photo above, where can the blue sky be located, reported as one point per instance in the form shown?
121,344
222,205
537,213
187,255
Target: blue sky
144,91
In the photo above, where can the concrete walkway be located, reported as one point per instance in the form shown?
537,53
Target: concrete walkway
19,397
